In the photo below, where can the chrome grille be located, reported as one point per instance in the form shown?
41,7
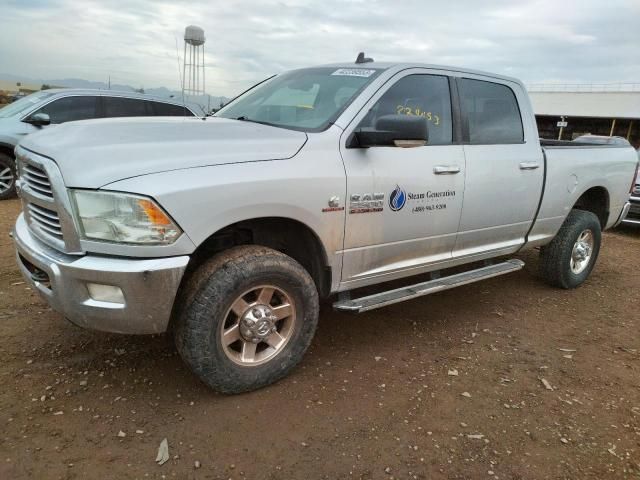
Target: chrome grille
45,202
45,219
37,180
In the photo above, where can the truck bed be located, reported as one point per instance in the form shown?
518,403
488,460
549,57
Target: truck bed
571,169
549,143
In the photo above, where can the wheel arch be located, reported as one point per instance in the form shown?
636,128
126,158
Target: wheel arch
597,201
7,149
289,236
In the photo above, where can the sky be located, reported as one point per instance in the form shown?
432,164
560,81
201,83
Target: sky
134,41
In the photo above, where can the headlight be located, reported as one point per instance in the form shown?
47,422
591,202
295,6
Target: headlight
123,218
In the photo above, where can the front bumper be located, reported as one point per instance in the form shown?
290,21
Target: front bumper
148,286
633,216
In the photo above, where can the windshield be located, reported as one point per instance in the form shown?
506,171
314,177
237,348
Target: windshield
308,99
23,104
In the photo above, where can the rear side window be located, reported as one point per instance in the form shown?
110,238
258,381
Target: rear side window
125,107
420,95
492,112
169,110
69,109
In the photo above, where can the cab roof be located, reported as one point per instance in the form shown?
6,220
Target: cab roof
398,66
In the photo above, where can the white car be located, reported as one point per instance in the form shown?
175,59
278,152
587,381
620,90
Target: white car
50,107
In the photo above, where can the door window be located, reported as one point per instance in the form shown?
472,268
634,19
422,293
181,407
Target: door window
69,109
125,107
426,96
492,112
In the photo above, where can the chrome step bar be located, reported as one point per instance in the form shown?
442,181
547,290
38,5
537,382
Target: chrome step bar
378,300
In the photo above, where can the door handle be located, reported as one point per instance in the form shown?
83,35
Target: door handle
529,165
446,169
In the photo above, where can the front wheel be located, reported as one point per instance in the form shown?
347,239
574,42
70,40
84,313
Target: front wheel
246,318
570,257
7,177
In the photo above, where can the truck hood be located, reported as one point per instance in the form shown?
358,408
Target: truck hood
94,153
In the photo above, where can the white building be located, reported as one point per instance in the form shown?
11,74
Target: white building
595,109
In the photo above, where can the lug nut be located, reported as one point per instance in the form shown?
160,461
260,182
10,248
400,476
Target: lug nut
249,322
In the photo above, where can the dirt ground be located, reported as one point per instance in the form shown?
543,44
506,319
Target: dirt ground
444,387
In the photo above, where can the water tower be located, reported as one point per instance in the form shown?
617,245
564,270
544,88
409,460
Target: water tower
193,72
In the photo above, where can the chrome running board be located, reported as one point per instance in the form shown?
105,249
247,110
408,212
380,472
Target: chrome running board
378,300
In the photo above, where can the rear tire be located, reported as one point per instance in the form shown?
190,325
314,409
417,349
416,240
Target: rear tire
7,177
569,259
246,318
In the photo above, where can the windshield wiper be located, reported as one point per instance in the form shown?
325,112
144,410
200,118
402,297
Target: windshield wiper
244,118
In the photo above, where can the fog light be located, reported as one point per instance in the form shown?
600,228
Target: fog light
105,293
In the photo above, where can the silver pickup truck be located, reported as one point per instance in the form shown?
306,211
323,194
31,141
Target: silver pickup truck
226,231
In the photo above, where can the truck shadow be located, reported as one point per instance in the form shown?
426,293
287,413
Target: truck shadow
342,340
632,231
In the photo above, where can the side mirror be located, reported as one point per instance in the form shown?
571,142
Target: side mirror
39,120
393,130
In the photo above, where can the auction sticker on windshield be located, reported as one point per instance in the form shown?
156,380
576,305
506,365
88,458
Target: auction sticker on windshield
354,72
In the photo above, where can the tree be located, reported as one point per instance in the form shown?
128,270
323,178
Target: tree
45,86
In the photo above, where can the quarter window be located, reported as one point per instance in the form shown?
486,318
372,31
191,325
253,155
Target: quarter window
492,113
69,109
170,110
425,96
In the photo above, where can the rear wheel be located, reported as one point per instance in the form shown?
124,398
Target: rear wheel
7,177
246,318
569,259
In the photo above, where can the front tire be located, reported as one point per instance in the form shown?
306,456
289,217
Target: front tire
246,318
569,259
7,177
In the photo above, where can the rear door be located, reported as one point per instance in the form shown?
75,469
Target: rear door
403,204
505,166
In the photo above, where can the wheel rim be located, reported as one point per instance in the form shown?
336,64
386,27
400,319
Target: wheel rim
582,252
258,325
6,179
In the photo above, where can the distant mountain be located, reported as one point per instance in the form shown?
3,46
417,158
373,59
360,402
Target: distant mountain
209,101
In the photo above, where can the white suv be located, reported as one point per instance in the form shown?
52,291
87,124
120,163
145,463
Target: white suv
50,107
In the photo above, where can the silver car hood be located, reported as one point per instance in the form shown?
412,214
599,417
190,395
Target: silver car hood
94,153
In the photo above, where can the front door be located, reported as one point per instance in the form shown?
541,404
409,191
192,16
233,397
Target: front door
403,204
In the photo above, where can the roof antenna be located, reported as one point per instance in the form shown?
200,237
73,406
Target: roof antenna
362,59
